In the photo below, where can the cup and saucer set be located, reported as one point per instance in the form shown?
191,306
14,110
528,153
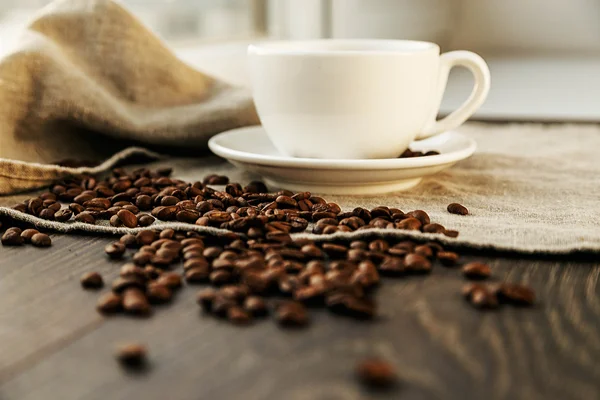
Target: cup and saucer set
337,114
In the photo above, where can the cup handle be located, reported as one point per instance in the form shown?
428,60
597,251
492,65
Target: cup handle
480,71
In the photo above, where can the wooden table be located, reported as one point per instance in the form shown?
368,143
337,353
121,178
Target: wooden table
54,345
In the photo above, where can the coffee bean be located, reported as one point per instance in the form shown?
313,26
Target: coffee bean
27,234
132,355
215,180
12,237
447,258
145,237
421,215
63,215
115,250
476,271
205,299
41,240
135,302
483,298
197,274
158,293
417,263
133,271
424,250
392,266
127,218
167,234
291,314
85,217
455,208
378,245
334,250
220,277
349,305
409,224
172,280
47,214
109,303
516,294
376,373
128,240
433,228
145,220
238,316
115,221
122,283
97,202
92,280
256,306
76,208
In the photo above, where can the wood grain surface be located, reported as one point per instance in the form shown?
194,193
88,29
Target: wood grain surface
53,344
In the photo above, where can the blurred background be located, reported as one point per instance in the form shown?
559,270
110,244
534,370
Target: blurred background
544,54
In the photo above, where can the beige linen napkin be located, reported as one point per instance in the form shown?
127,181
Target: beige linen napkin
86,80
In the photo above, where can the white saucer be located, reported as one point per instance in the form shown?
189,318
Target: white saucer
250,148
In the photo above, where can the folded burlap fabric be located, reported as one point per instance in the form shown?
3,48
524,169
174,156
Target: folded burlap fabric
86,80
530,188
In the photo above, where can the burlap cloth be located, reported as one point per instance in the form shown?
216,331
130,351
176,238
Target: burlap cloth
88,80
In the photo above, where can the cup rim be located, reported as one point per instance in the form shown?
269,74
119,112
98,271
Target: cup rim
342,47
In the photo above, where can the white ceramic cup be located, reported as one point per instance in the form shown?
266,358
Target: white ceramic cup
356,99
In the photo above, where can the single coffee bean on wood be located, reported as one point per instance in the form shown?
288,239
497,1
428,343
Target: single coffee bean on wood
109,303
376,373
115,250
132,355
41,240
447,258
515,294
476,271
12,237
135,302
92,280
158,293
291,314
27,234
459,209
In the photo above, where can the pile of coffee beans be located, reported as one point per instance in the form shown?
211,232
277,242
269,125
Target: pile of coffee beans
257,269
139,198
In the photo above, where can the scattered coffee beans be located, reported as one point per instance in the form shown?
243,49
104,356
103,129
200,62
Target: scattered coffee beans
376,373
455,208
259,264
